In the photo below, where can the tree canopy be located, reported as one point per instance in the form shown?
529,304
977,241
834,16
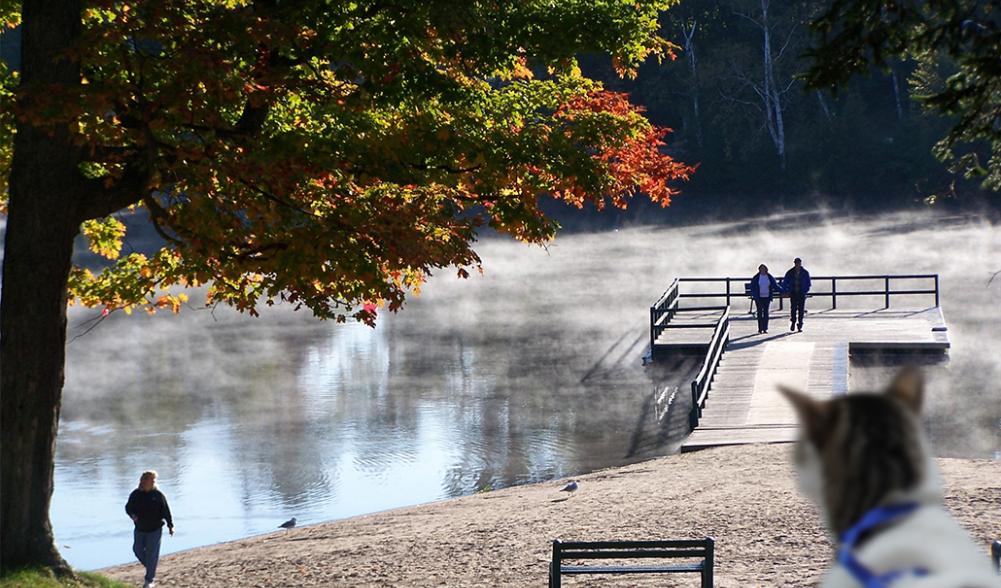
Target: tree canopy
335,154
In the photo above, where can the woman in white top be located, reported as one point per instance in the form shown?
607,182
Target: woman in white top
762,288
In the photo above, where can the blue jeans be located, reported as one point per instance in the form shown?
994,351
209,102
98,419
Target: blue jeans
146,546
762,305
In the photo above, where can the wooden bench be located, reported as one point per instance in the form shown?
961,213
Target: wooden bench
780,296
701,549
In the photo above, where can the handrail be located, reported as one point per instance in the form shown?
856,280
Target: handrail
702,382
849,277
886,291
667,304
667,292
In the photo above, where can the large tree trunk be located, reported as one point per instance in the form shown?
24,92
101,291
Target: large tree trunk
42,222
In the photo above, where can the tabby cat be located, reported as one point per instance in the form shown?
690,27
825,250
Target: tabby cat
864,460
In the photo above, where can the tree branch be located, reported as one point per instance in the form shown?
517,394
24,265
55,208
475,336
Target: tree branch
788,87
739,101
994,275
747,81
276,199
251,119
445,168
756,22
157,214
255,253
786,44
99,200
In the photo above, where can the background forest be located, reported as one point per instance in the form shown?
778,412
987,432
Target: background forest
762,141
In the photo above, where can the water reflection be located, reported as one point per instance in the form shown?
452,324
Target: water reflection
530,372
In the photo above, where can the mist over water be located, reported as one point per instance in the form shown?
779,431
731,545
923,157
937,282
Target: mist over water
530,372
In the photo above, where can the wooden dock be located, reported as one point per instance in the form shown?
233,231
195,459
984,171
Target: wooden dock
738,401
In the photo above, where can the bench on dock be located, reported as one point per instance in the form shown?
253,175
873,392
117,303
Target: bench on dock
749,296
780,296
701,549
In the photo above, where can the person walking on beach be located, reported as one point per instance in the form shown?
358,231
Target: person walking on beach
762,287
148,508
797,284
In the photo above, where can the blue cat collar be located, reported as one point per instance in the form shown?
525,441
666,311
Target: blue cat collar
872,519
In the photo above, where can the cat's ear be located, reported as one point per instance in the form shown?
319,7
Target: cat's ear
812,413
909,387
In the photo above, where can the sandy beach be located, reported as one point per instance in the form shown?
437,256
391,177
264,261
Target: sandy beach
745,497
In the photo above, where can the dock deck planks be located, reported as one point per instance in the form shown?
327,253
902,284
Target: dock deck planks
744,405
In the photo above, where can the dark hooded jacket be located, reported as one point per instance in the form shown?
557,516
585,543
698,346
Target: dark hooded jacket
752,287
151,508
789,282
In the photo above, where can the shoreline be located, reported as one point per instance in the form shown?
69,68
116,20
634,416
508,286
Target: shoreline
106,569
743,496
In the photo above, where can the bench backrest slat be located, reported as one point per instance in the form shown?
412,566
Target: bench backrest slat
605,550
632,544
632,553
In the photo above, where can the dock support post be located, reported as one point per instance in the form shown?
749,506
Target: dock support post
834,293
693,417
886,291
936,289
653,328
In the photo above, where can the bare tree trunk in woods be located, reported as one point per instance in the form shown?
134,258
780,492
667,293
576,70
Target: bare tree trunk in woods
773,97
769,91
896,94
693,66
823,104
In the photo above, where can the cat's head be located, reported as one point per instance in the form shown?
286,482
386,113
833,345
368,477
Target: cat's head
861,450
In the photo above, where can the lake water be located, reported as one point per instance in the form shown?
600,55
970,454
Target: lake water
530,372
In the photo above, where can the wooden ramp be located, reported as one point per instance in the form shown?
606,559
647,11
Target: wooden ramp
744,406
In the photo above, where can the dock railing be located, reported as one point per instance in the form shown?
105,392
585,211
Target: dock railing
662,311
703,382
885,288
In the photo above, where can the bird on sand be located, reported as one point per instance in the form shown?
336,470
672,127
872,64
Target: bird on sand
287,524
570,488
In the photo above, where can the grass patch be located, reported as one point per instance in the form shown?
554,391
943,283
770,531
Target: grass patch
44,578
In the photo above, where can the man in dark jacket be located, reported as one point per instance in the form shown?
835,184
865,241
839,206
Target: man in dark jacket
797,284
148,508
